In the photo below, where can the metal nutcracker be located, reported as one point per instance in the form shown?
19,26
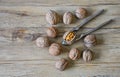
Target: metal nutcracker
71,36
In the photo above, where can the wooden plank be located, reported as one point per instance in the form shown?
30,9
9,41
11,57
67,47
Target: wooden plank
30,16
24,59
28,60
108,41
58,2
107,33
36,70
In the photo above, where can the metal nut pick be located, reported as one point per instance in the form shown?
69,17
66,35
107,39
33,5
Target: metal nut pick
70,36
93,30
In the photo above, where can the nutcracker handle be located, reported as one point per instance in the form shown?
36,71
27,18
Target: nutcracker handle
93,30
86,20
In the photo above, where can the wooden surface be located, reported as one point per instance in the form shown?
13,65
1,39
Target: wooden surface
24,59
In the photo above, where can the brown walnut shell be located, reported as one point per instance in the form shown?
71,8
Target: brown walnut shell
42,42
61,64
71,41
52,17
87,55
68,18
90,40
74,54
52,32
55,49
81,13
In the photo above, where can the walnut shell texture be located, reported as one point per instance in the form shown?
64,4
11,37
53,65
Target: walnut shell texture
52,32
87,55
42,42
70,41
55,49
61,64
90,40
81,13
68,18
52,17
74,54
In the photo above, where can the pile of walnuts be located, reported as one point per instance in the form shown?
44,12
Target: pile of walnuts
56,49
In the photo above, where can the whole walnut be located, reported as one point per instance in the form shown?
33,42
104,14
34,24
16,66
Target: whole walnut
90,40
68,18
74,54
42,42
61,64
52,32
81,13
52,17
87,55
55,49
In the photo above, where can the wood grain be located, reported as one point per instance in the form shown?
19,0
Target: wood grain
22,58
30,16
59,2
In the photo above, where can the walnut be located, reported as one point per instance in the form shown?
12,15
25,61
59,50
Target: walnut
74,54
42,42
52,32
55,49
52,17
68,18
90,40
61,64
87,55
81,13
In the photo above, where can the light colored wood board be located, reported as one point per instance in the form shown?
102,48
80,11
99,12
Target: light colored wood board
108,34
58,2
14,70
24,59
17,21
8,31
108,46
35,16
104,54
41,10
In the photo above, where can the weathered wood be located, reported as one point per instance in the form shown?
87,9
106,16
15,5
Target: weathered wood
29,16
59,2
24,59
